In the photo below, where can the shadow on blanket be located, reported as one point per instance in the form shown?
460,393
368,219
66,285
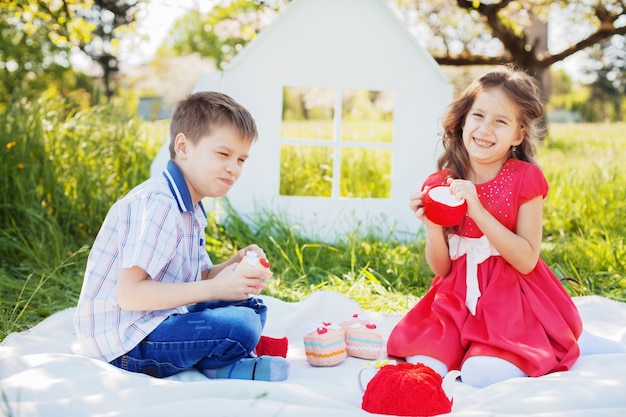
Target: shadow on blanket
42,374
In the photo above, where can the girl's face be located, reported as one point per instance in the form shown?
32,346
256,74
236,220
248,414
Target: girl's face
213,164
491,128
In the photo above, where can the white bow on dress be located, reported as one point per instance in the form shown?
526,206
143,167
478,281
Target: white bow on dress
477,251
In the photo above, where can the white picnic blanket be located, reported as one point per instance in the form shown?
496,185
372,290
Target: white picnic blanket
42,374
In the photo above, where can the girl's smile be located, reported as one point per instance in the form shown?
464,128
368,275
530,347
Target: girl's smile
483,143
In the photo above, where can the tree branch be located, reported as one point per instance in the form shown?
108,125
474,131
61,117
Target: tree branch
467,59
516,45
594,38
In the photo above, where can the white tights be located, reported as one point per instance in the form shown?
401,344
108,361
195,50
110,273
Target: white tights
477,371
481,371
431,362
590,344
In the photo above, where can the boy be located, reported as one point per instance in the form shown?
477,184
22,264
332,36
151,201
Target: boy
152,301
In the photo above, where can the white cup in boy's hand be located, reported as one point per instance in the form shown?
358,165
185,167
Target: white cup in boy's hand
253,266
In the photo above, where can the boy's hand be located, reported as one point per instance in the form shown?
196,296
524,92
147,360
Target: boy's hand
241,253
242,279
254,267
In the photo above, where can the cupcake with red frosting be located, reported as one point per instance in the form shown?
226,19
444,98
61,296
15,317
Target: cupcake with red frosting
364,340
347,323
325,345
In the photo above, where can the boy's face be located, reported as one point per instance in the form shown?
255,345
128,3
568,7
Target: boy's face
212,165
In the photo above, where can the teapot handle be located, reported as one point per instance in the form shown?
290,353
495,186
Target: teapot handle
448,383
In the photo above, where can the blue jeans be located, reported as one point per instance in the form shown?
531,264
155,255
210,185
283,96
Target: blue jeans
212,335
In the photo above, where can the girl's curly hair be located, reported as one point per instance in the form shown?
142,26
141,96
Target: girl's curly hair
523,90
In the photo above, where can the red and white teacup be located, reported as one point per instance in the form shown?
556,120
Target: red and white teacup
442,208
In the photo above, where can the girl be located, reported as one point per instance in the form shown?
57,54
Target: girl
519,321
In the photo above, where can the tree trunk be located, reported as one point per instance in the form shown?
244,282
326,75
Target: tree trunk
537,38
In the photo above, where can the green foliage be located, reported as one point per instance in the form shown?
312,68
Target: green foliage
585,213
71,165
360,168
108,18
599,101
308,171
365,173
221,33
382,273
36,37
60,173
315,162
607,61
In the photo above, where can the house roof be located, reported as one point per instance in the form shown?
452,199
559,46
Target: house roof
293,7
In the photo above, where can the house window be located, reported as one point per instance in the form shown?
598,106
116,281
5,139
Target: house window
336,143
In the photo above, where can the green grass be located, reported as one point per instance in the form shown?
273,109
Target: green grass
363,172
61,171
585,214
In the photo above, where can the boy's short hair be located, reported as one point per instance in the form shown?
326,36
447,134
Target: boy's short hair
197,115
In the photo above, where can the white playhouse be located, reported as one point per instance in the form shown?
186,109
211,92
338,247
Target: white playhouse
348,105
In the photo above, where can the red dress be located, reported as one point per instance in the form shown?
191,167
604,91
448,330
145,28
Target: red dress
528,320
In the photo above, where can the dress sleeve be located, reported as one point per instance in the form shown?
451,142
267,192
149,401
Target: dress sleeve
437,178
533,184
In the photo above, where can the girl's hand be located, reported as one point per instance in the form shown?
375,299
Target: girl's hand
464,189
437,254
416,203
